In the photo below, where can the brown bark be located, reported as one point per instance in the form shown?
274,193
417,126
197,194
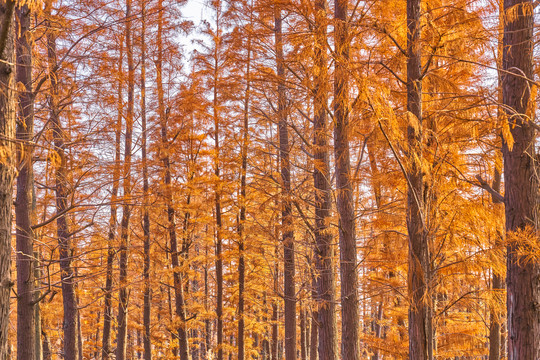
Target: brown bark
67,276
7,165
217,194
521,182
24,211
275,314
147,344
123,296
107,311
420,335
344,191
286,207
178,278
323,251
242,219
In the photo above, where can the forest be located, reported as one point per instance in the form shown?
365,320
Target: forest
283,179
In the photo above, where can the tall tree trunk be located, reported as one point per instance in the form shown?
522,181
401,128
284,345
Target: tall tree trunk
275,314
62,192
123,296
497,282
107,311
286,207
242,220
419,333
344,190
147,344
8,114
217,195
180,307
24,211
521,182
497,286
324,251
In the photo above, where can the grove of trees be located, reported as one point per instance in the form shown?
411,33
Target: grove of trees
287,179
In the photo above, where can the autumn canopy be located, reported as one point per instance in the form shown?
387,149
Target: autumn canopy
269,179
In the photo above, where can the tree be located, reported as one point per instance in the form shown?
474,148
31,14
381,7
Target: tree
126,208
521,181
8,112
24,209
344,190
287,233
323,250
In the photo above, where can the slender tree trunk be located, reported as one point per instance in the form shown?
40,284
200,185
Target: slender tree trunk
37,311
497,282
180,307
419,334
217,199
521,182
8,114
242,220
497,286
123,296
147,344
62,228
344,190
107,311
324,251
275,318
24,211
47,355
286,207
303,342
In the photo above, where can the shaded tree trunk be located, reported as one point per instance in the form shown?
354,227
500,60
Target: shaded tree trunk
62,192
24,209
123,296
286,207
242,220
147,344
8,114
344,190
324,251
521,182
418,275
178,281
107,311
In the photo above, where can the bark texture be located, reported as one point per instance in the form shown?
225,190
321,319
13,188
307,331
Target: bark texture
418,274
71,339
107,311
344,192
521,183
324,249
147,296
24,210
123,293
7,164
286,206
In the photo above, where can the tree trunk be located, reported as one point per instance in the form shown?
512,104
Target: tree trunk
324,251
521,182
217,198
8,114
344,191
419,334
107,312
62,228
242,220
286,207
123,296
180,307
24,211
147,344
